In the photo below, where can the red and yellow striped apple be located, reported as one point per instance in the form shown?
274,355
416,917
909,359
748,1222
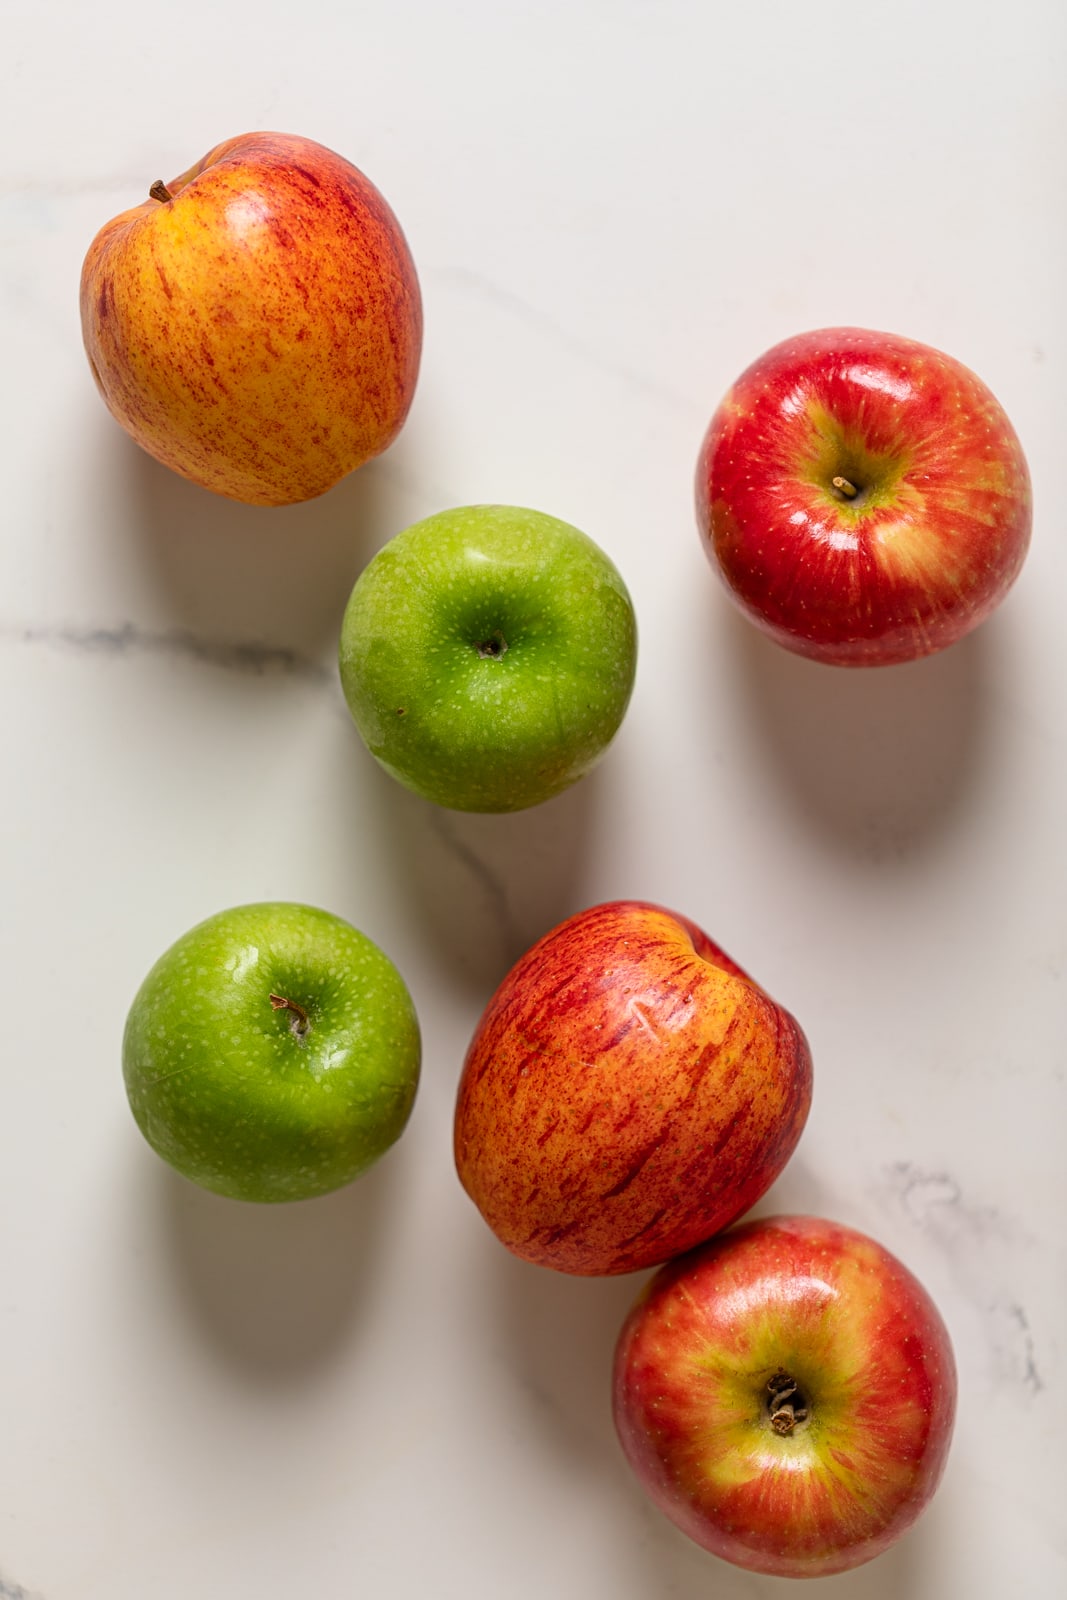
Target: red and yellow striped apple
864,497
628,1092
786,1395
256,324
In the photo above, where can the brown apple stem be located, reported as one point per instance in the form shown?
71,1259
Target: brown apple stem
785,1403
843,486
159,191
300,1023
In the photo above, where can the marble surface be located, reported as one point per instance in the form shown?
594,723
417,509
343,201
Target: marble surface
613,207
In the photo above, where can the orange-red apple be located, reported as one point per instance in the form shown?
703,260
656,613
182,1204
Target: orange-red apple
786,1395
256,324
628,1092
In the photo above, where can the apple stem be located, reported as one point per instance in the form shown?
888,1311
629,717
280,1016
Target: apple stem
494,646
300,1023
786,1403
844,487
159,191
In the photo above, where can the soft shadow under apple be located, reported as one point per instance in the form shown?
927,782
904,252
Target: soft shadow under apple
678,1567
277,1289
878,761
481,888
239,572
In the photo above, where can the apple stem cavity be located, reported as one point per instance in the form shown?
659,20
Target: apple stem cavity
847,490
300,1023
493,647
786,1403
160,192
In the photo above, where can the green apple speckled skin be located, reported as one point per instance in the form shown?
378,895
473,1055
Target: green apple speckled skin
488,655
272,1053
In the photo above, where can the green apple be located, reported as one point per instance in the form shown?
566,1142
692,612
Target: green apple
272,1053
487,656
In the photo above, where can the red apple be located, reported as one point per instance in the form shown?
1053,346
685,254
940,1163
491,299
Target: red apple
256,324
628,1091
864,497
786,1395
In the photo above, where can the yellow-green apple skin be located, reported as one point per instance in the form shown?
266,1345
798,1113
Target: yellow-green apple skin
258,327
863,497
272,1053
487,655
628,1092
786,1395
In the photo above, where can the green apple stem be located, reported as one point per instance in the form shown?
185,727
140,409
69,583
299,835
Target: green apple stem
786,1403
160,192
845,488
300,1023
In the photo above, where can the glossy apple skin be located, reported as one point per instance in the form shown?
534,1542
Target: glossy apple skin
260,331
628,1092
867,1346
226,1087
487,656
927,548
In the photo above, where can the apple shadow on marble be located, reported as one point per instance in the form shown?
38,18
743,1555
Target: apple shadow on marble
877,761
277,1290
483,887
245,573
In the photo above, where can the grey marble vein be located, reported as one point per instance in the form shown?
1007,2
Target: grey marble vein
487,880
1013,1345
127,639
14,1591
474,283
980,1243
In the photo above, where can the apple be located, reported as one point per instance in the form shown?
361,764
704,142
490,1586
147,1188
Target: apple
487,656
256,323
786,1394
272,1053
864,497
628,1092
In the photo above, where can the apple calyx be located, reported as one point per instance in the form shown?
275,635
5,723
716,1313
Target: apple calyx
787,1404
160,192
301,1021
493,647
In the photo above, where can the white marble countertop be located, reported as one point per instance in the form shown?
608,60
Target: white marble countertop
613,208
